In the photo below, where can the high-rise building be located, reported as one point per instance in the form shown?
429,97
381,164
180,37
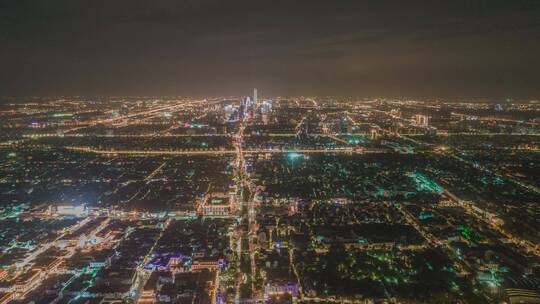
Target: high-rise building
266,106
421,120
255,101
374,133
228,111
244,107
246,101
68,210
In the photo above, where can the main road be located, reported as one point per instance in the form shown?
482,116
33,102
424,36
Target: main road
347,150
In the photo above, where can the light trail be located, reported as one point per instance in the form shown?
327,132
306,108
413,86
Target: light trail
225,152
113,120
153,173
151,135
332,136
299,125
491,118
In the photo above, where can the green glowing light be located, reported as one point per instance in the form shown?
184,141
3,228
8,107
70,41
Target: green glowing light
424,183
425,215
498,181
466,232
294,155
62,115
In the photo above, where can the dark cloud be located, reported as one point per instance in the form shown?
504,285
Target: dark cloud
374,48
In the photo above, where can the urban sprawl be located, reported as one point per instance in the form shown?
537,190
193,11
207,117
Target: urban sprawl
265,199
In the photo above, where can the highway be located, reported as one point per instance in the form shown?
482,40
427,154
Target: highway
347,150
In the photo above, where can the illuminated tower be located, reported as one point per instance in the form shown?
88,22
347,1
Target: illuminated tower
421,120
255,101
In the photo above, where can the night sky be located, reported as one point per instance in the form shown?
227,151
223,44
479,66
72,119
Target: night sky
371,48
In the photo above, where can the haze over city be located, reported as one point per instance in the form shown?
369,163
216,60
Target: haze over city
208,48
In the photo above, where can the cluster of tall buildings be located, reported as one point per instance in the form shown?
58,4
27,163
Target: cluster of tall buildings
251,104
421,120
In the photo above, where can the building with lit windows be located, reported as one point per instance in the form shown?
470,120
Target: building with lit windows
216,205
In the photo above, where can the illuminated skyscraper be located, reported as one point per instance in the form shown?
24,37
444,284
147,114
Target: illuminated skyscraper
255,101
266,106
421,120
244,107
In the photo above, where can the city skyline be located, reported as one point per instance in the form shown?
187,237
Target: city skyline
268,201
270,152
